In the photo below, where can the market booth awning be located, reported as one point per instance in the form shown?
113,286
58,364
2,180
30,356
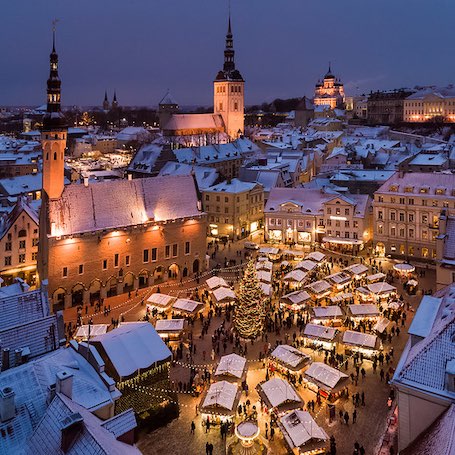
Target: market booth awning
291,358
221,398
224,295
279,394
216,282
231,367
319,288
325,377
160,301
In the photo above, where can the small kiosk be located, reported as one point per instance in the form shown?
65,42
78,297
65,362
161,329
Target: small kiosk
159,302
357,270
319,289
220,402
382,290
376,277
363,343
325,380
279,395
316,256
363,311
340,279
327,315
295,301
320,336
215,282
307,265
232,368
187,307
170,329
223,295
264,265
265,276
295,278
289,358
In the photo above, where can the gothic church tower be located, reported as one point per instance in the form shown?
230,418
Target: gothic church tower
228,87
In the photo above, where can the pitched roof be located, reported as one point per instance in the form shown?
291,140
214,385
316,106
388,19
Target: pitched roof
119,203
197,122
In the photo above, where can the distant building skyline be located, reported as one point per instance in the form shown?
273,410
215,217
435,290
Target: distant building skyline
283,49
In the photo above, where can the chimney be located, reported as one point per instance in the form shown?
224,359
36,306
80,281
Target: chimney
71,427
7,404
5,359
64,383
50,393
86,181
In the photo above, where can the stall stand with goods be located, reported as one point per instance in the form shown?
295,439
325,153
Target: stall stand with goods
328,315
307,265
170,329
289,358
382,290
302,434
223,295
326,381
364,294
187,307
319,336
295,301
232,368
219,403
363,343
159,302
357,270
363,311
316,256
340,279
279,395
319,289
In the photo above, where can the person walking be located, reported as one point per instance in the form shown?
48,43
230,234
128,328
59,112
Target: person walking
354,416
207,448
193,427
272,433
346,417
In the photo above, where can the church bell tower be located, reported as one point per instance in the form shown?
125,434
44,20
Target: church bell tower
53,134
228,87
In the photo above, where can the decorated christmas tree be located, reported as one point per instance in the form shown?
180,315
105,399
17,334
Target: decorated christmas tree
250,310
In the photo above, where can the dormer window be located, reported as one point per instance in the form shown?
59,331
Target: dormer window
409,189
393,188
440,191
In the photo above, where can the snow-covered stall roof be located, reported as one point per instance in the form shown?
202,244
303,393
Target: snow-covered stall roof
381,325
363,309
264,265
266,288
340,297
160,300
297,297
327,312
291,356
425,316
339,278
296,276
316,256
278,392
325,374
133,347
216,282
269,250
224,295
169,325
360,339
381,288
299,429
320,331
95,329
376,277
231,365
264,276
222,394
307,265
294,253
357,269
186,305
319,287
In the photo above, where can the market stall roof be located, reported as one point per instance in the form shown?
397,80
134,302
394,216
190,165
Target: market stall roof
221,394
264,275
376,277
325,375
277,391
362,290
356,269
381,325
381,288
404,268
290,356
160,300
224,294
295,276
395,305
268,250
307,265
299,428
297,297
264,265
319,287
360,339
266,289
339,278
216,282
232,365
295,253
320,332
284,263
187,305
340,297
95,329
327,312
169,325
363,309
316,256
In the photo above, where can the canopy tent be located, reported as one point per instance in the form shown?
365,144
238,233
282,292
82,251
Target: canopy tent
326,377
231,366
160,301
381,325
264,265
224,295
278,393
364,340
295,276
376,277
306,265
221,398
357,270
316,256
340,279
216,282
320,332
340,297
381,288
187,306
296,297
327,312
319,288
363,310
290,357
169,325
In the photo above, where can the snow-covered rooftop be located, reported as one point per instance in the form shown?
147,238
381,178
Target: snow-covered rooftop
363,309
232,365
278,392
290,355
359,339
221,394
324,374
321,332
425,316
324,312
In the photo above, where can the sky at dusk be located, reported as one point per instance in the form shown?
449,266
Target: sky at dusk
143,47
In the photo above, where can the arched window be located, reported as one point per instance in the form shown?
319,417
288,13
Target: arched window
55,155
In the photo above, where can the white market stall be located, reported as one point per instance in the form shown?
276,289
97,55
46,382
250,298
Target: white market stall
307,265
294,254
316,256
264,265
357,270
319,289
270,252
319,335
376,277
381,325
220,402
232,368
364,343
265,276
296,300
295,278
332,314
364,294
170,329
289,358
363,311
381,290
215,282
160,302
302,434
223,295
187,307
266,289
340,297
279,394
340,279
325,380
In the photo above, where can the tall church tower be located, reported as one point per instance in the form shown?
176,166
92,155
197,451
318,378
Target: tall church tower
228,88
53,134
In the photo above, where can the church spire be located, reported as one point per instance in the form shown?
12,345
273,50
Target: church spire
229,71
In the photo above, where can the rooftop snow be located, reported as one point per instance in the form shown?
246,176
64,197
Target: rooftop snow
232,365
425,316
324,374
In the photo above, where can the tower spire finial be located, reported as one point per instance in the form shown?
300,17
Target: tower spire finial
54,26
229,20
330,66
